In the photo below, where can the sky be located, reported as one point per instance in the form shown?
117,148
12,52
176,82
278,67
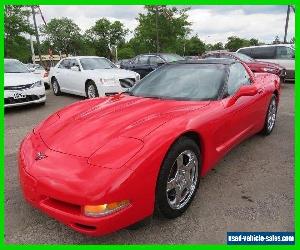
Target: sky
211,23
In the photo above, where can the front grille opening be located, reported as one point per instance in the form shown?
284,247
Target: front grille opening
85,227
63,206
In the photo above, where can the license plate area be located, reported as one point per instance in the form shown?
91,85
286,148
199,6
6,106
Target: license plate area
19,95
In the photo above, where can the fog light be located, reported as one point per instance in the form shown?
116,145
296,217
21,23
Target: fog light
105,209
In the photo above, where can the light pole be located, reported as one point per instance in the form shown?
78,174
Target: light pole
36,34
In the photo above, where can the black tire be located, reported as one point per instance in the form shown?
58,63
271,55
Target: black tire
162,199
92,85
267,129
55,87
47,85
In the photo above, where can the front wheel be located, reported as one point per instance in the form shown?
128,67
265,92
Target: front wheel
56,87
270,117
91,90
178,179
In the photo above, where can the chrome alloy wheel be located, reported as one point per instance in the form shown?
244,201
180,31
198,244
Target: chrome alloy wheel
91,91
55,87
182,179
272,114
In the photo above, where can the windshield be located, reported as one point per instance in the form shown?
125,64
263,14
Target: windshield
182,81
243,57
15,66
171,57
96,63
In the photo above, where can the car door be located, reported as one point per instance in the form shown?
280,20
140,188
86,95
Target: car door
60,74
245,113
74,82
142,66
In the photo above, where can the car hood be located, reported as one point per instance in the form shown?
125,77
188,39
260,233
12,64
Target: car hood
84,127
111,73
15,79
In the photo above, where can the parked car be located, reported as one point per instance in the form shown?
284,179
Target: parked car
122,62
103,164
44,73
21,86
90,76
282,54
254,65
146,63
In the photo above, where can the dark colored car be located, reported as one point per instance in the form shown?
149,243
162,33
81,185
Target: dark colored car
146,63
254,65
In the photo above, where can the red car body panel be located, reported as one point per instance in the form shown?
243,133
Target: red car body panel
110,149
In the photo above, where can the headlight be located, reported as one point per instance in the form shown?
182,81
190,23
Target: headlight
104,209
269,69
108,81
36,84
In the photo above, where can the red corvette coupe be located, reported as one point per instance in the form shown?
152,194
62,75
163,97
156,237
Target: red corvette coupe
104,164
254,65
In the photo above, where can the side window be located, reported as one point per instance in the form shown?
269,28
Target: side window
154,60
62,64
264,52
238,76
143,60
246,52
284,53
73,62
135,60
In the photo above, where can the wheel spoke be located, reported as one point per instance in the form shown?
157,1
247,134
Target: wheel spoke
180,162
178,192
171,184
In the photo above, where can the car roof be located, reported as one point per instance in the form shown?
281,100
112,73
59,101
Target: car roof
224,61
268,45
156,54
79,57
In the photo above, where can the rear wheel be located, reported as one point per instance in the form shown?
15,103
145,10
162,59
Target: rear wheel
55,87
270,117
91,90
178,178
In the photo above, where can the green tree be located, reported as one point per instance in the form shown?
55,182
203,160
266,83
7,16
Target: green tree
104,35
16,26
254,42
161,28
63,35
234,43
125,53
216,46
194,46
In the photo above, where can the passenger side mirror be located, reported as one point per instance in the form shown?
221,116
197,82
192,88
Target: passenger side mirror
75,68
244,90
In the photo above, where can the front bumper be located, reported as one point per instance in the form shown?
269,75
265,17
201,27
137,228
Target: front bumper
27,96
64,203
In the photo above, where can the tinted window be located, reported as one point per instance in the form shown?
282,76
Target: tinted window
171,57
263,52
64,64
93,63
246,51
238,76
143,60
154,60
73,62
284,53
183,81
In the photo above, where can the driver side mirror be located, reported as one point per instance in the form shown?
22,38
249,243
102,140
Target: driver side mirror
75,68
244,90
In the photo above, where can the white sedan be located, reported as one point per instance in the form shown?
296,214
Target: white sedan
90,76
21,86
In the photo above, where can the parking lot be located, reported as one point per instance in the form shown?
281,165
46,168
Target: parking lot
251,189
